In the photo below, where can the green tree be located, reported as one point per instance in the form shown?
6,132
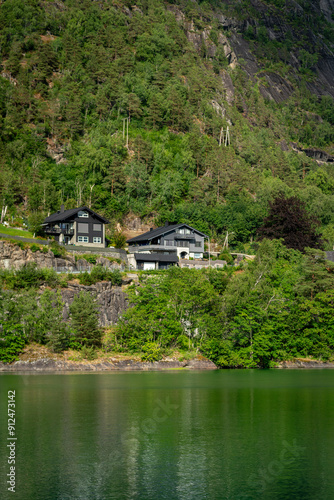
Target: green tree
85,320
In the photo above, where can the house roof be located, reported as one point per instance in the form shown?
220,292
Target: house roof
156,257
150,235
67,214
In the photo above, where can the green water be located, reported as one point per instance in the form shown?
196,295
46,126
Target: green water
239,435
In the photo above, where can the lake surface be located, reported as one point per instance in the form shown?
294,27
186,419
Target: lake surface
229,434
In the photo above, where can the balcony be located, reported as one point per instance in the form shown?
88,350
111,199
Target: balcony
152,248
58,230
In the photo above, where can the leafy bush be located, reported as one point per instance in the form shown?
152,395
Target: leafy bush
29,276
119,239
35,248
88,353
226,256
152,352
85,279
99,273
57,250
91,258
184,342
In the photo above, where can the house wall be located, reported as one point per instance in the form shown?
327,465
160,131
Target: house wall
90,232
188,246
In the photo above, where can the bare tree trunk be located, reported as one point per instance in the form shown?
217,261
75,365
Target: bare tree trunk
3,213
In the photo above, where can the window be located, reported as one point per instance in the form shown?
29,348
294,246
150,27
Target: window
198,244
187,231
83,239
181,231
96,240
97,227
82,213
82,228
197,255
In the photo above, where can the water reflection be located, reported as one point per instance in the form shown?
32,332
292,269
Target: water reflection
218,435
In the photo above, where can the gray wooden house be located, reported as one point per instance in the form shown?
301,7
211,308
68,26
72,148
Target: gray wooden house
164,246
77,226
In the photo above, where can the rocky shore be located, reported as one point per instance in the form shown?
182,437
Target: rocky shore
62,365
56,365
305,363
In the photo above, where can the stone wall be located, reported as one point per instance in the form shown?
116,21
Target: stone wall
14,257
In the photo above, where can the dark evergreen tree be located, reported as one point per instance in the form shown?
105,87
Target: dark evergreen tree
84,319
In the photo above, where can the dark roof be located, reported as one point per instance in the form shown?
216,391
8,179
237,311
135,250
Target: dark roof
149,235
156,257
67,214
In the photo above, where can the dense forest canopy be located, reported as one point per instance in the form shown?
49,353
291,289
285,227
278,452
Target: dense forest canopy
75,75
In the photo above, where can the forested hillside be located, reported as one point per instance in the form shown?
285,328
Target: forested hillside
73,71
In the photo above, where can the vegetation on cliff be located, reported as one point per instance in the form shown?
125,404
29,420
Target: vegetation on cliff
277,308
73,74
125,108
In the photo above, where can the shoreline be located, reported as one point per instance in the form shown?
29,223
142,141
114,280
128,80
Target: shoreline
131,365
126,365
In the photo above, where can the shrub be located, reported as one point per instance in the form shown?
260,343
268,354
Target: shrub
119,239
183,341
152,352
91,258
57,250
88,353
35,248
49,277
99,273
28,276
85,279
226,256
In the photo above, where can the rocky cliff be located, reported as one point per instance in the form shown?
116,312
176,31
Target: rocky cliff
13,256
267,32
112,300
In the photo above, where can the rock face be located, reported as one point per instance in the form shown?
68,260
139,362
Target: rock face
277,25
50,365
14,257
112,300
305,363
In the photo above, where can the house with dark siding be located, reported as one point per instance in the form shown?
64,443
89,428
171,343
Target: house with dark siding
77,226
159,248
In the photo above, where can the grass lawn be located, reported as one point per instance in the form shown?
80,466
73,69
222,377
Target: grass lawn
15,232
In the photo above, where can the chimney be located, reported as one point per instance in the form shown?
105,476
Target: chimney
167,223
62,208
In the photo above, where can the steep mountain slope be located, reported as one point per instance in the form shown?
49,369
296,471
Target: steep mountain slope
75,74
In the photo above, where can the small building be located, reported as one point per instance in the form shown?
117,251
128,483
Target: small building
77,226
164,246
147,261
